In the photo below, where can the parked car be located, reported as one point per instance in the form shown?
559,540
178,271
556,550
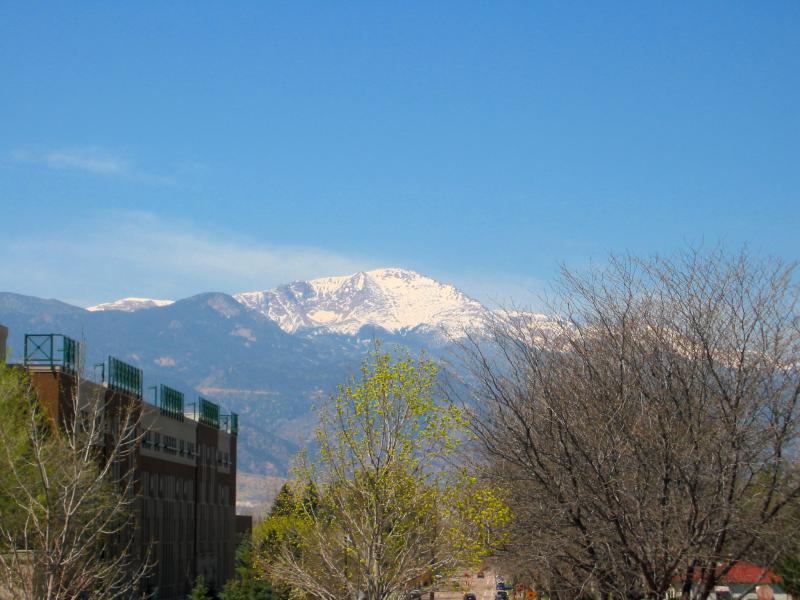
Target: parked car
415,595
470,596
722,592
501,595
480,575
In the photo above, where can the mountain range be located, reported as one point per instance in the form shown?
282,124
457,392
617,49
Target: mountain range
396,300
269,355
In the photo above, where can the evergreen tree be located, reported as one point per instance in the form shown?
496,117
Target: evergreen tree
284,504
200,590
248,585
788,568
310,504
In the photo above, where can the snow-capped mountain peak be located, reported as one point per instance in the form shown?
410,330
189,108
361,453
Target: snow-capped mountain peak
391,298
130,304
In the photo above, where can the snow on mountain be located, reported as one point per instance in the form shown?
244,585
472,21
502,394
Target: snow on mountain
130,304
396,300
393,299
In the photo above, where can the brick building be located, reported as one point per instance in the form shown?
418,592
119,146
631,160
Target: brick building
185,467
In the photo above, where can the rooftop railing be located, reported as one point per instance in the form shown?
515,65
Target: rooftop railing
229,423
170,402
51,350
124,377
60,352
209,412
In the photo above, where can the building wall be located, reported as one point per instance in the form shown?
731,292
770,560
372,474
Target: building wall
185,475
216,504
3,342
166,498
54,390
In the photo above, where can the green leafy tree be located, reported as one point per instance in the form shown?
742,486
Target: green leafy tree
279,531
381,510
250,584
16,405
65,508
200,590
284,504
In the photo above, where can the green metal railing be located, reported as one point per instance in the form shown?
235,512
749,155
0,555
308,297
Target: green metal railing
209,412
51,350
171,402
124,377
57,351
230,423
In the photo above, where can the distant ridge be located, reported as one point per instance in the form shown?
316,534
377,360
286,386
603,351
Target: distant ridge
393,299
130,304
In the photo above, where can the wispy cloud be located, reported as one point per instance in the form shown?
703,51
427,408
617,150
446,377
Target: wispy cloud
92,160
83,161
119,254
138,254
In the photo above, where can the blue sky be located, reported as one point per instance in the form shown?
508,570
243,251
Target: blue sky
164,149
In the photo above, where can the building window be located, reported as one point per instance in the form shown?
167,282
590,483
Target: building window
170,444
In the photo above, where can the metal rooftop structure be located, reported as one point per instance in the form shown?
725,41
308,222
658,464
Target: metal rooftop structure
53,351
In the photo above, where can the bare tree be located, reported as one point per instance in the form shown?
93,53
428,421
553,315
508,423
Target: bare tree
68,494
649,432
